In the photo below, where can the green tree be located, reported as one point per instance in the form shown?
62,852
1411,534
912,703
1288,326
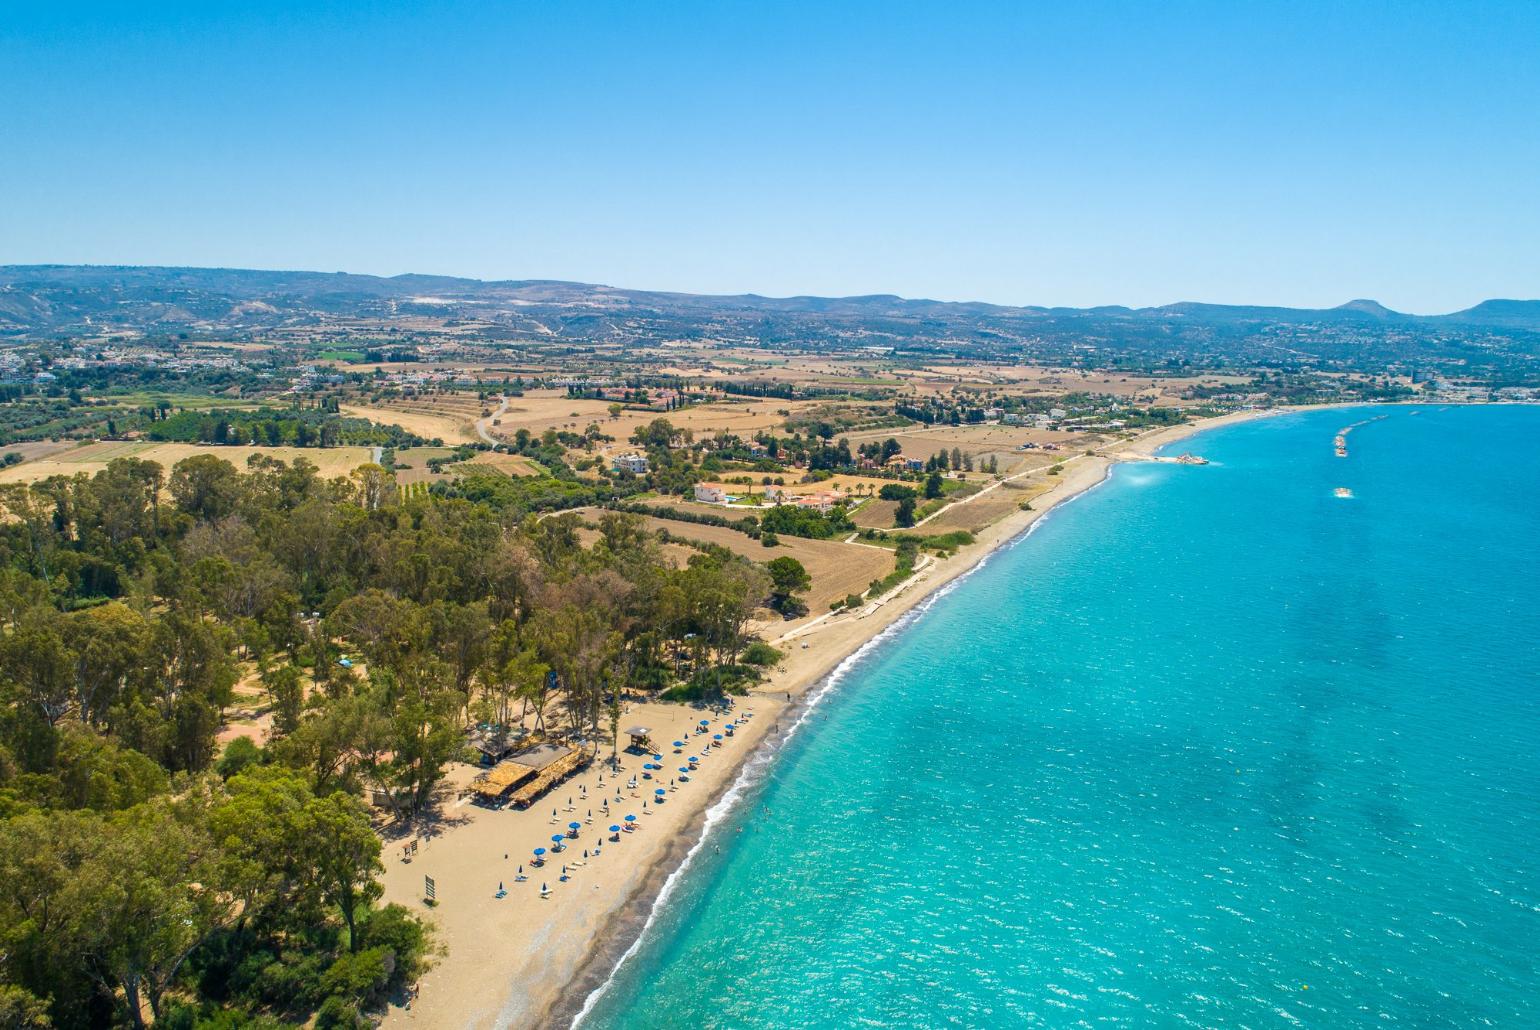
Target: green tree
788,578
347,856
150,891
286,688
205,486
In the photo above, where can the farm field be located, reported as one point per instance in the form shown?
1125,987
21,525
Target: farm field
539,410
858,486
419,472
1003,442
508,464
986,509
92,458
836,568
33,450
875,514
450,419
417,458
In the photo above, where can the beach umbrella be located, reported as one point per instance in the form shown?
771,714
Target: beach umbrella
705,722
716,736
630,818
574,826
660,792
679,743
539,851
614,829
684,769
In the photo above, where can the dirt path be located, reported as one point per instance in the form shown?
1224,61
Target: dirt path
482,424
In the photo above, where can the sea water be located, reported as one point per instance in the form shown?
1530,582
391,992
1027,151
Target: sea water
1213,746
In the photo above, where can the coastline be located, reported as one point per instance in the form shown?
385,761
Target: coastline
545,962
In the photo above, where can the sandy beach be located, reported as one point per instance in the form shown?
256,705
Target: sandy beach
524,960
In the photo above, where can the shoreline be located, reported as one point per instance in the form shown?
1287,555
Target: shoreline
549,966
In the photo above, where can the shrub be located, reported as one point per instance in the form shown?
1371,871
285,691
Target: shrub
360,976
239,753
712,683
394,928
339,1014
761,654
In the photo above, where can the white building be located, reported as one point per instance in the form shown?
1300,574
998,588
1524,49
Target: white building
636,464
712,493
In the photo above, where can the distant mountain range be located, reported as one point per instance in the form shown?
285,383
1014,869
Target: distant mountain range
1498,338
40,297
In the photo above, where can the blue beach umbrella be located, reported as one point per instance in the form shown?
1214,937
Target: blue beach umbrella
539,852
630,818
660,792
574,826
614,829
716,736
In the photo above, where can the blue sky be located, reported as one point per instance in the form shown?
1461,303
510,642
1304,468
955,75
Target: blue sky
1086,153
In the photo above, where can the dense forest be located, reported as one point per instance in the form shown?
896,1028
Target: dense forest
154,876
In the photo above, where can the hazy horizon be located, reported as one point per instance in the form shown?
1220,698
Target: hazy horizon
758,293
1010,154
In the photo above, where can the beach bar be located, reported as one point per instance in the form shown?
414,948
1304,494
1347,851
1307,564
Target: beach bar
492,787
554,765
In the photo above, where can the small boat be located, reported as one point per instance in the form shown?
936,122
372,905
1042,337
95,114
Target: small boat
1342,492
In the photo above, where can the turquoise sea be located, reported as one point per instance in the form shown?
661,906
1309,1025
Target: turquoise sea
1210,747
